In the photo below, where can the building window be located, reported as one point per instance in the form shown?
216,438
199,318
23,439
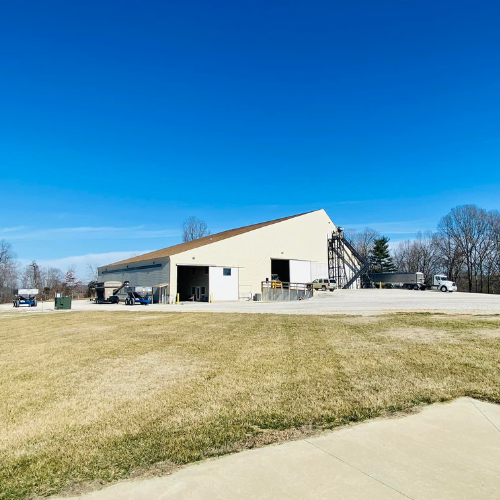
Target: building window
193,290
193,271
206,270
226,271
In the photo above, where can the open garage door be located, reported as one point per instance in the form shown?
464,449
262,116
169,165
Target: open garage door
192,283
300,271
281,269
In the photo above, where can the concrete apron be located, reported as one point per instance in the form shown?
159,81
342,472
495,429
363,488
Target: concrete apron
446,451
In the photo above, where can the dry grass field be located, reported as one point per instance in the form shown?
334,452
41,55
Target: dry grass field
88,398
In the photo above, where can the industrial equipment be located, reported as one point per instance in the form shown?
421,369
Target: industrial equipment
345,264
107,291
25,296
410,281
138,295
275,281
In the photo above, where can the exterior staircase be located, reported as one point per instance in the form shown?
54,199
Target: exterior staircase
345,264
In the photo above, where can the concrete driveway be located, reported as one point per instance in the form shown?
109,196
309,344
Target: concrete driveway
446,451
358,302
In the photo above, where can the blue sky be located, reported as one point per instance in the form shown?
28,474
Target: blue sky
120,119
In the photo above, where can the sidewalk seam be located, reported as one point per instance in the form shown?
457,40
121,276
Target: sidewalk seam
359,470
483,414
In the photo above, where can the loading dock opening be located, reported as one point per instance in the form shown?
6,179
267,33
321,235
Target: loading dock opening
281,267
193,283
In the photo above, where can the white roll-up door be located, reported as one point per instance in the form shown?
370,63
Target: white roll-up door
223,283
319,270
300,271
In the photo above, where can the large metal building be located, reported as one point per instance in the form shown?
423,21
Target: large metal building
233,264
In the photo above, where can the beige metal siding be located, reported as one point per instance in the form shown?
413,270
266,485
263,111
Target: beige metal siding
299,238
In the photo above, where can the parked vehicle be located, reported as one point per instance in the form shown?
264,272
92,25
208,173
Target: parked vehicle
324,284
107,291
441,282
138,295
25,296
410,281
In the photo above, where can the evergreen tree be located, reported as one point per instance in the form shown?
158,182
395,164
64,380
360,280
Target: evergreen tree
381,257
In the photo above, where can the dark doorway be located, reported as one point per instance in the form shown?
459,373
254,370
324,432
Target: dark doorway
192,283
281,267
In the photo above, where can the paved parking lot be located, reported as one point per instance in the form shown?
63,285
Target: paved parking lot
359,302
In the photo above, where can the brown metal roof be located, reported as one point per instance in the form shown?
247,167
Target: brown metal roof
206,240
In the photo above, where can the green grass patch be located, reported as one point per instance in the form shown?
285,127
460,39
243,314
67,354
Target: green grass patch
96,397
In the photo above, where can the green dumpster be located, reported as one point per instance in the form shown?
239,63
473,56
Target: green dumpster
62,303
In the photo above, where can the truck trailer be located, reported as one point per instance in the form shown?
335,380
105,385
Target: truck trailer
411,281
106,291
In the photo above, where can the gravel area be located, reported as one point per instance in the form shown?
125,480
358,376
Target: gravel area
358,302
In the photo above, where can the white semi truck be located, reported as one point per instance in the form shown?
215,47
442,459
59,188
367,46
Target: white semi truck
411,281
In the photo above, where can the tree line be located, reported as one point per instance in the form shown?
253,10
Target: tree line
48,280
465,246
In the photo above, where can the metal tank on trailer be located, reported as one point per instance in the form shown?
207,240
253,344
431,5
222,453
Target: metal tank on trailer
139,295
25,296
107,291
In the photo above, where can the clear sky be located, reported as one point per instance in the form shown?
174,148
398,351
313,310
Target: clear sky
120,119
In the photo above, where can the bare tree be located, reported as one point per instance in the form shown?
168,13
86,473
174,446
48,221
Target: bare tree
32,276
92,272
418,255
492,258
53,278
70,276
449,256
467,227
194,228
72,285
8,271
426,254
363,241
466,247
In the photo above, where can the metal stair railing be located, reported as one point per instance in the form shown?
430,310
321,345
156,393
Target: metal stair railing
350,258
348,244
363,269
